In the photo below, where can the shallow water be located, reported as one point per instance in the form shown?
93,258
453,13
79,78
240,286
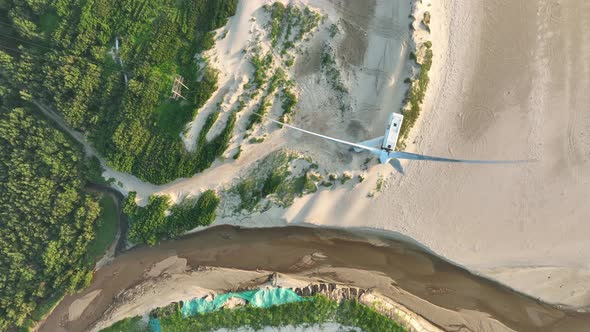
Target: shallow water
281,249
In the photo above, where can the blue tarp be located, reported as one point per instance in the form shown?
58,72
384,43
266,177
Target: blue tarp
261,298
155,325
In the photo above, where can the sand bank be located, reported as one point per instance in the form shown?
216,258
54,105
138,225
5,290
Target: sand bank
206,281
402,271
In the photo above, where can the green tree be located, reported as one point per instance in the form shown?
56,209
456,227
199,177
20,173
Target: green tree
46,218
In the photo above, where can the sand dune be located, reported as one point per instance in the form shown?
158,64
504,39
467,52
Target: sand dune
504,87
508,81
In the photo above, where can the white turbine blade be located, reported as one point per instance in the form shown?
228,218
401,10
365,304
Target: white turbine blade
374,143
414,156
355,145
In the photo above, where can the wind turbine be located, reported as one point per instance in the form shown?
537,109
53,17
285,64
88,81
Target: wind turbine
384,146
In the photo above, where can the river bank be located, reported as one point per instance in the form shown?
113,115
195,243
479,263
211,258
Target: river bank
157,293
120,242
445,294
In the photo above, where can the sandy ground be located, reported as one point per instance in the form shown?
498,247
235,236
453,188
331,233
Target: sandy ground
78,306
162,287
165,287
503,87
515,93
507,83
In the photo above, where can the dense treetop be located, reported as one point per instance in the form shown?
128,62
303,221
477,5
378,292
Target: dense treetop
61,52
46,219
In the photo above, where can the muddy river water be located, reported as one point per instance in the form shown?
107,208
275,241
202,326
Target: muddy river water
412,268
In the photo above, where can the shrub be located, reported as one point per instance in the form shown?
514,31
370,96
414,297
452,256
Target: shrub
415,96
426,19
238,153
345,178
150,224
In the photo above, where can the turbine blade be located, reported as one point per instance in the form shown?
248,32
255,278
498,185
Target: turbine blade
354,145
414,156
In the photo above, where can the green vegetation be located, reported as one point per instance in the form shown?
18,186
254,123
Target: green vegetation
332,73
45,307
255,140
172,116
47,219
149,224
258,113
261,65
316,310
287,26
193,212
345,178
379,184
277,79
61,58
331,70
273,180
334,30
290,24
426,20
107,227
289,62
93,170
352,313
277,10
416,94
289,100
237,155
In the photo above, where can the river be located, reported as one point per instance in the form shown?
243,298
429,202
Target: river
412,268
